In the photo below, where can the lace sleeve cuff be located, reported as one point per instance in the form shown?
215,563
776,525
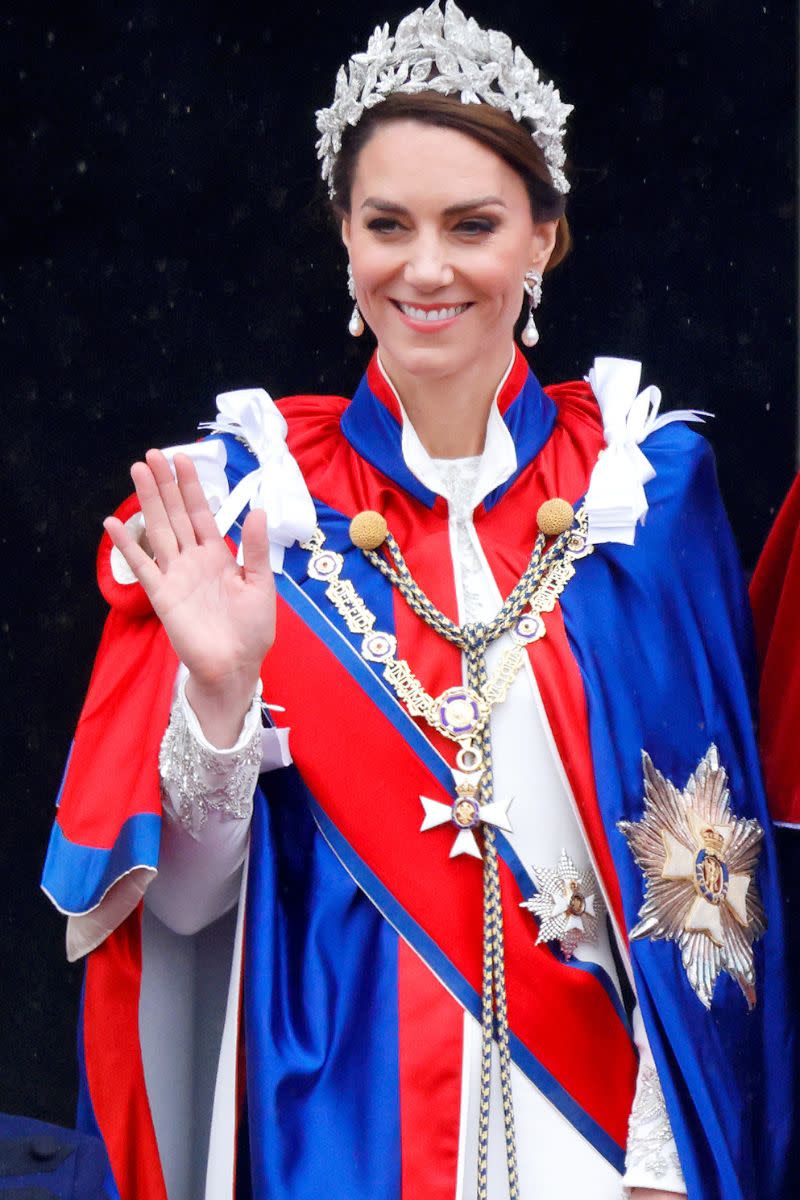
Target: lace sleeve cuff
652,1156
197,778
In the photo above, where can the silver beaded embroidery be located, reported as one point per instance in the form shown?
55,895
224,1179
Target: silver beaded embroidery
651,1145
196,780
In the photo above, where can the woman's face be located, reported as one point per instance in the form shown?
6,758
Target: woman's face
440,235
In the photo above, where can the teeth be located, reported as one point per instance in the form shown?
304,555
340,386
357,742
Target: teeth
435,314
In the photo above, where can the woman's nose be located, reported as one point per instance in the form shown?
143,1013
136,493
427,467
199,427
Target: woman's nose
427,267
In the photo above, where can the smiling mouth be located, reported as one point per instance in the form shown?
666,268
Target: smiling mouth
431,315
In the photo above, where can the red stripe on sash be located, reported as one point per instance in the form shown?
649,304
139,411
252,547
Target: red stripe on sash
367,779
113,1062
431,1044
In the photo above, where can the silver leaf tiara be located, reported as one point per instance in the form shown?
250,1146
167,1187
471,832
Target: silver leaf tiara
447,53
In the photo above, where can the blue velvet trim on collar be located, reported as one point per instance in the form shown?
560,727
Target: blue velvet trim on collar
376,435
530,418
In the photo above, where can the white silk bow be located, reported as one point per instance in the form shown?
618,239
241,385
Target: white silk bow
275,485
615,500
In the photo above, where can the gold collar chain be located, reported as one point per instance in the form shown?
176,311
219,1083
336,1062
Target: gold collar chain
459,713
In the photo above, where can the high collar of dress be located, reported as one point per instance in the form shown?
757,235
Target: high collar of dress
520,421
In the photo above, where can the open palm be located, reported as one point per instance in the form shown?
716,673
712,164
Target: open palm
219,616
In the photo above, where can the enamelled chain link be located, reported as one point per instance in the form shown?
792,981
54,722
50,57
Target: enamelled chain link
462,715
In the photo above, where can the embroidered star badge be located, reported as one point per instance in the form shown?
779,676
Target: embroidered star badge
567,904
699,863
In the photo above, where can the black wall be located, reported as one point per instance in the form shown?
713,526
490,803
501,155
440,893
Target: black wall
166,239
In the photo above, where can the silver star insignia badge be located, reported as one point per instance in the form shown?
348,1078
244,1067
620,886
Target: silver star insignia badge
567,904
699,863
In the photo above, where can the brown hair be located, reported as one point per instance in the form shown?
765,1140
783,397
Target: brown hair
490,126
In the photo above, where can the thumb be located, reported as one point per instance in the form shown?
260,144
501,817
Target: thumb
255,547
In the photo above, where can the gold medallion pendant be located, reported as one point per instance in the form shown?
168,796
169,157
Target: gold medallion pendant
699,863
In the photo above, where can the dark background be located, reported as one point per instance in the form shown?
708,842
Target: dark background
166,239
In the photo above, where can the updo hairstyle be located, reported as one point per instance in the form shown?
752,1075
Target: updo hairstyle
492,127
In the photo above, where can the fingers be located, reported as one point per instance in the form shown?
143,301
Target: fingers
194,498
172,505
255,548
139,562
175,509
160,533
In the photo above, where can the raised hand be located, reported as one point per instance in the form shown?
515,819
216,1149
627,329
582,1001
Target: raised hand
220,617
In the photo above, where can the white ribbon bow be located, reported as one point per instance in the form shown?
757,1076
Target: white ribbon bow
276,484
616,501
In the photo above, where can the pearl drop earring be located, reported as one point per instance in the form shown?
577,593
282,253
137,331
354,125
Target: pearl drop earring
356,323
532,284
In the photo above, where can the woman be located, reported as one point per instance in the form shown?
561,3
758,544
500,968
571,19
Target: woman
496,944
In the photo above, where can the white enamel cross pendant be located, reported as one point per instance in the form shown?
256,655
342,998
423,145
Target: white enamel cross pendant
466,812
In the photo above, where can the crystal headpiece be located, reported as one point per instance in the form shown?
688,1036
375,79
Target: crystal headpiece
447,53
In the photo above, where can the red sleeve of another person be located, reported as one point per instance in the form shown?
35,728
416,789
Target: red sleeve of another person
775,597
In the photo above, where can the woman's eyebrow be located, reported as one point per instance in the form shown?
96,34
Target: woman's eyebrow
454,209
384,205
450,211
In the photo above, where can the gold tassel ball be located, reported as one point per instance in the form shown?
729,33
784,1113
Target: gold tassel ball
555,517
368,530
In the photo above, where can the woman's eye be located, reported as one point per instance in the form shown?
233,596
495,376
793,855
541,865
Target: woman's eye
383,224
476,225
